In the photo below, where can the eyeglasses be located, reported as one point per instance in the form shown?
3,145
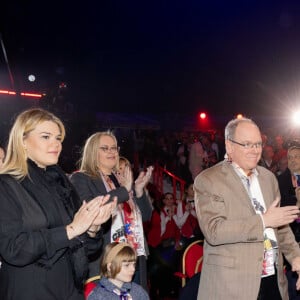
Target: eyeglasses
248,145
290,157
112,149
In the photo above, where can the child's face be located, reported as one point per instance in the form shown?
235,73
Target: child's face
168,200
122,166
190,191
127,271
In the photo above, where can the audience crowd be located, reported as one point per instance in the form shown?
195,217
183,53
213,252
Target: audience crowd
164,224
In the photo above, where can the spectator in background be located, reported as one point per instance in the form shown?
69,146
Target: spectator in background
163,240
187,218
288,187
210,156
279,149
196,158
282,165
183,153
267,159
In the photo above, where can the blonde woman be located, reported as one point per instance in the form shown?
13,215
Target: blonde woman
46,232
99,175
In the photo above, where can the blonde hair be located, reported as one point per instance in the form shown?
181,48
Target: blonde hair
15,162
124,253
89,160
124,160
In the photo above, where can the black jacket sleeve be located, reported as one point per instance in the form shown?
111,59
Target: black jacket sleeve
89,188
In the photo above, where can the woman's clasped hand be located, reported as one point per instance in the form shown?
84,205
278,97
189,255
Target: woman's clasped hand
91,215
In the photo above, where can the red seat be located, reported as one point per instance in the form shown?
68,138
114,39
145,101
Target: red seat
88,287
191,261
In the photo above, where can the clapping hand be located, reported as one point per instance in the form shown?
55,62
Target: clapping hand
105,210
126,179
296,268
142,181
91,215
277,216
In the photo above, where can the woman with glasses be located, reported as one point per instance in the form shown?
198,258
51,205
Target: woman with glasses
98,176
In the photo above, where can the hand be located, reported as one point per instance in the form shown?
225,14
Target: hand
105,210
170,212
188,207
277,216
126,179
84,217
296,268
142,181
297,192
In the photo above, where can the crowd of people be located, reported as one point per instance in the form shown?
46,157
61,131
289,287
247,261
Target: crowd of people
99,231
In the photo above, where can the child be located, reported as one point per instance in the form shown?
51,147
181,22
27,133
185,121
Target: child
117,268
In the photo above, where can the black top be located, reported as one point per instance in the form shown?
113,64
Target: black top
38,259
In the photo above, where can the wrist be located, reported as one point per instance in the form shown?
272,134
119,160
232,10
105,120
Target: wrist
139,192
71,232
93,229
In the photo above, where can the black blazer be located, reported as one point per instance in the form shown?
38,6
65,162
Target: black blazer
26,239
89,188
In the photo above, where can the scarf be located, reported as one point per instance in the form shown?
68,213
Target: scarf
127,225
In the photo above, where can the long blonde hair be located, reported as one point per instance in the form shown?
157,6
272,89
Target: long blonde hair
89,160
15,162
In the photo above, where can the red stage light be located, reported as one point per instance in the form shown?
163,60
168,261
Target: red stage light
33,95
202,115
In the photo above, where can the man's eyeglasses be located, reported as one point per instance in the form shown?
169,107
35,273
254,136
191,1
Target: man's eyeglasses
258,145
107,149
290,157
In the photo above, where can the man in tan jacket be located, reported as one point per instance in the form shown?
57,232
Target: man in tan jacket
246,231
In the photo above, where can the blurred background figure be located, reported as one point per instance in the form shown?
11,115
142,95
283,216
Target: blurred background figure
267,159
210,149
279,147
165,250
288,186
187,218
182,154
282,165
196,158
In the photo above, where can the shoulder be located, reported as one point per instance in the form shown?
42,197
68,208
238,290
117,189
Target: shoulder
79,176
220,169
7,180
137,292
265,172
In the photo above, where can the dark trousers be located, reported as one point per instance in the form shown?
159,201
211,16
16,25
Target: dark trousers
269,289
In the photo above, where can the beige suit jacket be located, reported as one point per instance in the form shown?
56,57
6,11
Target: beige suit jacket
233,248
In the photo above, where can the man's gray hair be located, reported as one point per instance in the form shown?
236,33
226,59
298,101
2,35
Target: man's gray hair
232,125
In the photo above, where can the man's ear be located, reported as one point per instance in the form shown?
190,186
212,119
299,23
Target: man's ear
108,267
228,147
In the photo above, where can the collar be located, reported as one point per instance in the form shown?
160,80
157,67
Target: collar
240,171
108,285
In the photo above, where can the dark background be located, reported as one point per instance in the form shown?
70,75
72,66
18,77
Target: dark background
224,57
